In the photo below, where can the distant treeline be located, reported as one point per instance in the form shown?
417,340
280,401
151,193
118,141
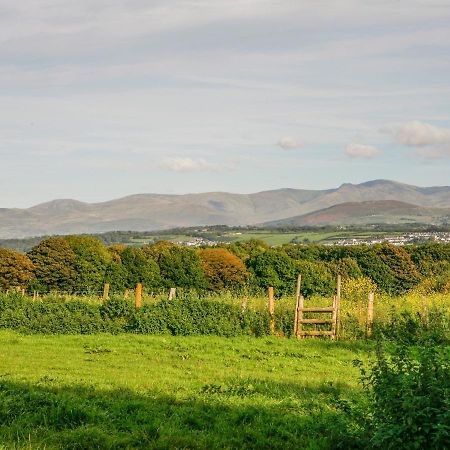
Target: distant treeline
83,264
217,232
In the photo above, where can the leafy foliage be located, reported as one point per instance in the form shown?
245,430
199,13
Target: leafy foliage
16,270
410,398
222,269
54,262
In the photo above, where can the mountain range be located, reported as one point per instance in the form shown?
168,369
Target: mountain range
378,201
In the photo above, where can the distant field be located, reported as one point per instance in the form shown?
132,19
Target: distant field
131,391
273,238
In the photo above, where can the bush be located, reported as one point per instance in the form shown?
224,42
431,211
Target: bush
409,394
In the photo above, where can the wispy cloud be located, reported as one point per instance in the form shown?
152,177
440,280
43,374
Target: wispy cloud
189,165
289,143
429,141
361,151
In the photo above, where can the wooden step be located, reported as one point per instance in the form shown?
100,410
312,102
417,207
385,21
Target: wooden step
316,333
317,309
317,321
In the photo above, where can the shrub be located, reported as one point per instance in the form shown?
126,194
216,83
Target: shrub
409,395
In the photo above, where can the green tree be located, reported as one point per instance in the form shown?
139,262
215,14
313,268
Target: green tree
54,262
16,269
179,266
274,268
140,268
404,272
92,260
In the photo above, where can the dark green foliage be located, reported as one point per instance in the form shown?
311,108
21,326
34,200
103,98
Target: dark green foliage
417,329
183,316
317,278
54,262
274,268
52,317
179,266
403,270
91,262
140,267
410,398
194,316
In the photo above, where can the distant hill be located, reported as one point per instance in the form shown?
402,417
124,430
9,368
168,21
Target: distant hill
370,212
146,212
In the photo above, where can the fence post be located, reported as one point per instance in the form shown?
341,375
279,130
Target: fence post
338,304
370,314
105,292
244,304
297,303
138,302
272,310
172,293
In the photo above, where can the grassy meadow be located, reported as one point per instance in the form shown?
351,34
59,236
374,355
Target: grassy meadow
130,391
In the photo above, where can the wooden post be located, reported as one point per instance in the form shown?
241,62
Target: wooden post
34,296
172,293
297,300
370,314
105,292
301,305
338,304
138,302
272,310
334,318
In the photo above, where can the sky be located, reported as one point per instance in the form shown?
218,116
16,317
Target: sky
104,98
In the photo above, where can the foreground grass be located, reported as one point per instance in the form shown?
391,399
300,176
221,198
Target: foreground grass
131,391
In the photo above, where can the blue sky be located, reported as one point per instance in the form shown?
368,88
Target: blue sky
105,98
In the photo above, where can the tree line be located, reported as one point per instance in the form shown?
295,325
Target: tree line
82,264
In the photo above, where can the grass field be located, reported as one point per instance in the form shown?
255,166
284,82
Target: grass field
205,392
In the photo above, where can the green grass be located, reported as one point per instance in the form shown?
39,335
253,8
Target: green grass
205,392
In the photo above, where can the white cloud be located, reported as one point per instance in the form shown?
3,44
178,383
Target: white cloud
430,142
289,143
420,134
361,151
188,165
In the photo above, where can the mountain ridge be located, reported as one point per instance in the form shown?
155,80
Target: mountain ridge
147,212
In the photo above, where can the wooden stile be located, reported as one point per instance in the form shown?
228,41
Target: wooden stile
105,292
272,310
138,302
297,300
172,293
370,314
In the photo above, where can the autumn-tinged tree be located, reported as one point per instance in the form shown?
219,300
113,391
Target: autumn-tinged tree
223,269
16,269
54,262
